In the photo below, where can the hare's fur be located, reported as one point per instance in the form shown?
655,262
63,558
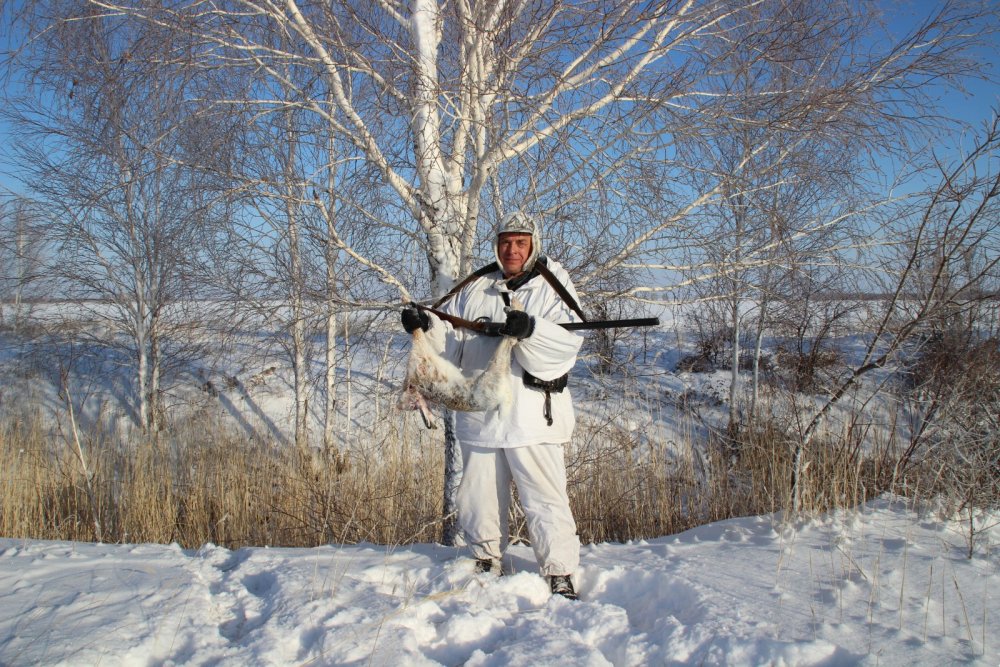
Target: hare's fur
431,378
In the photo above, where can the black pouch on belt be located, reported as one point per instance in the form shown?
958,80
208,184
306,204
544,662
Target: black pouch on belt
549,387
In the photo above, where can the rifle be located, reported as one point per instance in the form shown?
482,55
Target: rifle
492,328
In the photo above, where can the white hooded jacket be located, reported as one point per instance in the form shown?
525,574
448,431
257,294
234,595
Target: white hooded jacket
548,353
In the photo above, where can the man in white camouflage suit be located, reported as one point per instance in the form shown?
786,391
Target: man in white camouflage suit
525,444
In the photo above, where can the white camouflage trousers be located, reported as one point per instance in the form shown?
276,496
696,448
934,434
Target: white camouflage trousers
539,472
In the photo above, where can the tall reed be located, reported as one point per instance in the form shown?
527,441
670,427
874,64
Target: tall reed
201,482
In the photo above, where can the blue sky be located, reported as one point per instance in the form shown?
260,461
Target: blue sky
972,107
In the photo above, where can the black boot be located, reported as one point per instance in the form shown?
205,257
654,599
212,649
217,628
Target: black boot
488,565
562,585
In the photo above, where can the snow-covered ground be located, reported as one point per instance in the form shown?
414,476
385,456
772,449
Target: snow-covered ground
881,585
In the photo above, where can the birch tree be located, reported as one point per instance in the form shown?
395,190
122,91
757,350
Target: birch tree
442,97
22,256
106,157
268,246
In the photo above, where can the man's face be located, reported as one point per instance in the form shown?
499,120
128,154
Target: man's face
513,249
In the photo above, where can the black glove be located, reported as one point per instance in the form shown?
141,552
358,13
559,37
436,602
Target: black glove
519,324
414,319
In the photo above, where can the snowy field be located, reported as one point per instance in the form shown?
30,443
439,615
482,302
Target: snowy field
252,382
877,586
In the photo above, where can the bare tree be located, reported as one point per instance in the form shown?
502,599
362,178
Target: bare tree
130,220
939,258
286,258
22,256
273,243
957,440
438,98
782,161
332,295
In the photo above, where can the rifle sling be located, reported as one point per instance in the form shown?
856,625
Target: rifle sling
559,287
478,273
541,265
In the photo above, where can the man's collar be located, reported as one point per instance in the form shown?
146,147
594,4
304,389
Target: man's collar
520,279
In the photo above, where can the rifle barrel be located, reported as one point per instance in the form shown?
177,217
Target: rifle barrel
612,324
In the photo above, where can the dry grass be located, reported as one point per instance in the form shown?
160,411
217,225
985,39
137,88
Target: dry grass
202,484
625,489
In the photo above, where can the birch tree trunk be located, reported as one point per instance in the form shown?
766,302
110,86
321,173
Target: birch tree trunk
330,257
142,374
330,381
734,378
330,372
757,351
155,374
296,286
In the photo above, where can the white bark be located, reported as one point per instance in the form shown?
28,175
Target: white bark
757,350
330,380
296,285
142,375
734,378
330,257
349,398
155,374
77,448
